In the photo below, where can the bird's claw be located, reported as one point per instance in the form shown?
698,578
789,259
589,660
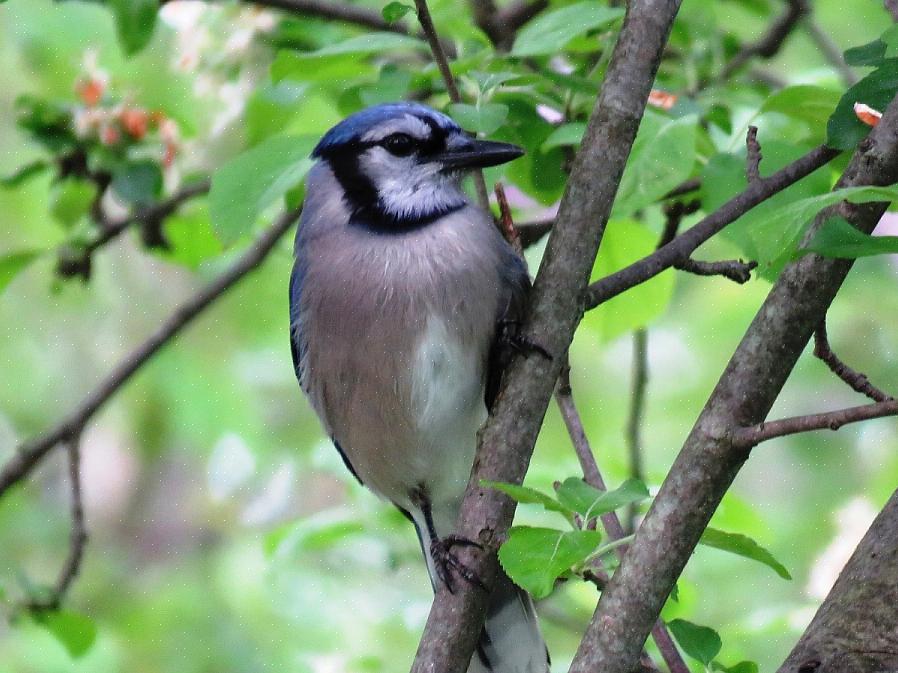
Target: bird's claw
447,563
510,333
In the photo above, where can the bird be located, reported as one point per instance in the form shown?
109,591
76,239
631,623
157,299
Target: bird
404,298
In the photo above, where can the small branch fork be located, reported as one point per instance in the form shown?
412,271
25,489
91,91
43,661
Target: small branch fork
30,453
565,400
858,381
77,539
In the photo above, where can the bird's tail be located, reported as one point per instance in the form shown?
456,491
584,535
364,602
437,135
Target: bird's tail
511,641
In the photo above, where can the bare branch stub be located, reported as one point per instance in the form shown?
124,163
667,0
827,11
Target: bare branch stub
753,155
858,381
734,269
506,223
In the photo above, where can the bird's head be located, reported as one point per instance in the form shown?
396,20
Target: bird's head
400,164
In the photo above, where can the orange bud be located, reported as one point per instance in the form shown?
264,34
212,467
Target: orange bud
90,91
662,99
867,114
134,121
168,158
109,135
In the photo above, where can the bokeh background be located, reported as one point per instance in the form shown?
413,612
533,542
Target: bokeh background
226,534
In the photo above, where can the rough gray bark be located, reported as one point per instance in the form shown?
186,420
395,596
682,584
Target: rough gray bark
506,441
856,628
710,458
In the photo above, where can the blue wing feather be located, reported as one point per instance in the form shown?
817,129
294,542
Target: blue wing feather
297,345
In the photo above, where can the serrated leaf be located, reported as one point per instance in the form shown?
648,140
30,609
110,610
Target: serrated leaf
663,155
24,173
700,642
135,21
535,557
744,546
844,130
393,11
566,134
13,263
812,105
549,32
484,118
526,495
75,632
590,502
252,181
837,237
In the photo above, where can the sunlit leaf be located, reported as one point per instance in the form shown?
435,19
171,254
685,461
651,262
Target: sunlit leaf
549,32
590,502
567,134
837,237
700,642
369,43
24,173
393,11
741,667
70,200
535,557
524,494
742,545
877,89
812,105
484,118
254,180
75,632
13,263
135,21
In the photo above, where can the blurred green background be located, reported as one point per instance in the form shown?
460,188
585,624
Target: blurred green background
226,534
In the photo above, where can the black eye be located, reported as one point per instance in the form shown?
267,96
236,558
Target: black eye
399,144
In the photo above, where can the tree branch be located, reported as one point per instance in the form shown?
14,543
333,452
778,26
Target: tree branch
686,243
710,459
30,453
506,441
734,269
501,26
610,522
830,51
831,420
332,10
77,539
752,155
858,381
640,379
854,630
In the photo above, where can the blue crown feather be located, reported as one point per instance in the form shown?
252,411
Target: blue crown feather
357,125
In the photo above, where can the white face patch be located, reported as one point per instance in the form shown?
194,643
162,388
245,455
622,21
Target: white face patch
407,124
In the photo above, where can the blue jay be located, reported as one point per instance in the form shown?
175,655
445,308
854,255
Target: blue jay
399,298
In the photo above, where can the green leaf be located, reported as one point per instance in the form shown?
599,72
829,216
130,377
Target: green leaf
24,173
741,667
871,53
837,237
566,134
13,263
877,89
484,118
191,238
327,72
138,182
624,242
535,557
393,11
70,200
663,156
699,642
135,21
551,31
590,502
75,632
369,43
392,85
530,496
254,180
742,545
812,105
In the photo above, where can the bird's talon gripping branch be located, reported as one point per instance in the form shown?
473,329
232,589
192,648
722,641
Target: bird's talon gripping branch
511,337
447,563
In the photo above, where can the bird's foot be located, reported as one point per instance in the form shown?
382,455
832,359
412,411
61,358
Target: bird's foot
447,563
511,337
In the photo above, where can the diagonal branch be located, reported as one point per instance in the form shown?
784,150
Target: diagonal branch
710,459
734,269
830,420
685,244
506,441
769,44
30,453
858,381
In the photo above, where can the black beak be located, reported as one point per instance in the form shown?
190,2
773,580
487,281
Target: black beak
480,154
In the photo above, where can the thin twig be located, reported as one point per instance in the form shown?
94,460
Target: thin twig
753,155
892,8
734,269
830,51
78,536
532,232
439,55
858,381
685,187
769,44
638,387
501,25
333,10
30,453
506,223
686,243
830,420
